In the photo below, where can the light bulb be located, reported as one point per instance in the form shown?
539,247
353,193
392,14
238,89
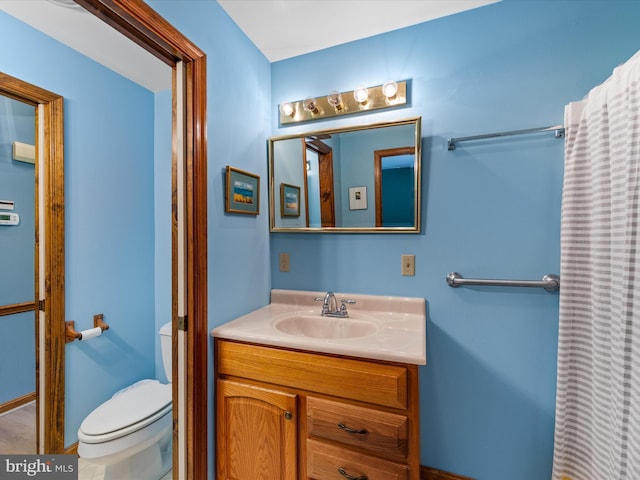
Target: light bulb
310,105
286,109
361,94
335,100
390,89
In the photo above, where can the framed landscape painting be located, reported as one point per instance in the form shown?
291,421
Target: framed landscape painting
242,192
289,200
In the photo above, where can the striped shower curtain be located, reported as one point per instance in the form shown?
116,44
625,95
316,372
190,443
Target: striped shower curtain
597,433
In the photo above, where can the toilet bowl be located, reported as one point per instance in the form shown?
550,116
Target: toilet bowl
131,433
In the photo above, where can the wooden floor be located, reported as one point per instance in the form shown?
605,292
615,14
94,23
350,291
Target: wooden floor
18,430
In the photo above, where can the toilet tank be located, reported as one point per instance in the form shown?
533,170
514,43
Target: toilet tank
165,346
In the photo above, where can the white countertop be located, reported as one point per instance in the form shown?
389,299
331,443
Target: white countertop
400,322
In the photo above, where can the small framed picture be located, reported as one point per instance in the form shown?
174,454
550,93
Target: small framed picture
242,192
357,198
289,200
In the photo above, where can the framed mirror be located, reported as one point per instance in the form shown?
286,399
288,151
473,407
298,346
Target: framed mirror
359,179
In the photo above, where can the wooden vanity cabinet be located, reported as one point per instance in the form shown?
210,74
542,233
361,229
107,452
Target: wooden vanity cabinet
259,430
288,414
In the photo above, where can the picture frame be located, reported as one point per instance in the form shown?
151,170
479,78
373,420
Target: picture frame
289,200
242,192
358,198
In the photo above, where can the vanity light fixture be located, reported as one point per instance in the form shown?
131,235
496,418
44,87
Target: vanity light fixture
360,100
286,109
335,100
390,90
310,105
361,95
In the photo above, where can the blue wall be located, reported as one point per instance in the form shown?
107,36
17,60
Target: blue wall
490,209
238,98
109,214
17,332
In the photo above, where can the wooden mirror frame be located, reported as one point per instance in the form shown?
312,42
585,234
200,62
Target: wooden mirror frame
137,21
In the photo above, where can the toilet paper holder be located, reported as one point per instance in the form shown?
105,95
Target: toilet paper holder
72,334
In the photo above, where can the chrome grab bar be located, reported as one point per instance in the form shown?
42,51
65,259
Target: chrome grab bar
549,282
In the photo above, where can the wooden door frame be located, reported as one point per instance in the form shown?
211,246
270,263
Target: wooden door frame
305,182
141,24
325,172
49,261
378,155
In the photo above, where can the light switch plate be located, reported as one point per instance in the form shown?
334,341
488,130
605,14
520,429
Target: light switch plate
408,265
284,262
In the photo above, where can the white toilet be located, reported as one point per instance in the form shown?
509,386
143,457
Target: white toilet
131,433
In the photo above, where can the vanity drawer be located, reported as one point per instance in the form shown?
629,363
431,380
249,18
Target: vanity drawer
324,462
377,383
377,432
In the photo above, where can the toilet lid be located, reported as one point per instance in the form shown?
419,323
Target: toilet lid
135,406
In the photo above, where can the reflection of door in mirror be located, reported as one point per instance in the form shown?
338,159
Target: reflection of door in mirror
394,180
324,154
17,317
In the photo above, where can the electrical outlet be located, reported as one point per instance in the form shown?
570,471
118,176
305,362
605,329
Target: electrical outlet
409,265
284,262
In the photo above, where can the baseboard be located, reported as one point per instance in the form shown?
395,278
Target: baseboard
428,473
72,449
17,402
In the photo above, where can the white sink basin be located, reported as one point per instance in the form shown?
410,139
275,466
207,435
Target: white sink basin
378,327
324,327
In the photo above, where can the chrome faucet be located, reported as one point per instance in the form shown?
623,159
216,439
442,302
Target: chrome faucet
330,306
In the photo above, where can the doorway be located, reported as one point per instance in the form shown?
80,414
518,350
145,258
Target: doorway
324,154
17,305
394,179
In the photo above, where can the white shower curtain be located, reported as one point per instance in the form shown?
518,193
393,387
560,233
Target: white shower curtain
597,433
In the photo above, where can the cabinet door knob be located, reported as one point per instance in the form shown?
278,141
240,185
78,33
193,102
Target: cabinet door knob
288,415
361,431
343,472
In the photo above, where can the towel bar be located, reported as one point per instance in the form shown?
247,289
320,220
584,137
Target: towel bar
549,282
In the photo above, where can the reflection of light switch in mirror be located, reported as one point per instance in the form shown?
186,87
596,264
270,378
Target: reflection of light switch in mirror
284,262
409,265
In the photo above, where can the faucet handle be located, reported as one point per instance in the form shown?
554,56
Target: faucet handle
344,302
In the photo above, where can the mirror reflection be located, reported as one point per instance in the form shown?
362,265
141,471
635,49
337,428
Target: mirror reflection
355,179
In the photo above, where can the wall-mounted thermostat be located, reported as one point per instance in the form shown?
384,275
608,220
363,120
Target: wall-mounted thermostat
9,218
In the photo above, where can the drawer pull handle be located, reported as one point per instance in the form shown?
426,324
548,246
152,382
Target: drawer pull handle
362,431
343,472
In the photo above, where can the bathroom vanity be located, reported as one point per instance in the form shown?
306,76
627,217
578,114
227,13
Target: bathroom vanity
297,403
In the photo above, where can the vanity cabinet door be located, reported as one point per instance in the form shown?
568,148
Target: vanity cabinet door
256,432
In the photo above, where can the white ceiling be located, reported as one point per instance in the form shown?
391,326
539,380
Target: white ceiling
279,28
286,28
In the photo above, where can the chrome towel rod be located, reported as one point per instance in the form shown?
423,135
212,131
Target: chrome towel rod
557,129
549,282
